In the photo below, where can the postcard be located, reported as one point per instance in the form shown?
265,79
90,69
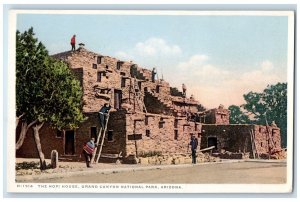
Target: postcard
150,101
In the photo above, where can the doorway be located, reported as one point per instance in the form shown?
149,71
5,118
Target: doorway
212,141
70,142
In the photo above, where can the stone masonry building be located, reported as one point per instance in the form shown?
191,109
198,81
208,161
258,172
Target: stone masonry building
146,117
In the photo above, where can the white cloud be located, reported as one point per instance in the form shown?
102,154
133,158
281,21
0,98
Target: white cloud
213,86
267,65
149,50
193,62
154,46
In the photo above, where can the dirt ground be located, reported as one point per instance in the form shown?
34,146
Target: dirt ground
221,173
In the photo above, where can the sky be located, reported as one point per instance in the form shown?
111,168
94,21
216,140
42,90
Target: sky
218,58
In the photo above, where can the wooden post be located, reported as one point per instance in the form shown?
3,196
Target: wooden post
54,159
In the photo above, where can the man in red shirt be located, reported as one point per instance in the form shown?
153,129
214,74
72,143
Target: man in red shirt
73,42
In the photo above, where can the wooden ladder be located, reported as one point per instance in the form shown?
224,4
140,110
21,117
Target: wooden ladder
269,135
101,135
102,141
253,145
139,96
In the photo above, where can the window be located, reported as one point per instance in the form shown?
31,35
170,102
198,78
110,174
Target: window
117,99
161,123
110,136
106,66
199,135
175,134
59,133
175,123
148,133
146,120
99,76
261,144
157,89
123,82
99,59
94,66
119,64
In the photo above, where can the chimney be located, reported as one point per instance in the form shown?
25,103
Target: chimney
81,45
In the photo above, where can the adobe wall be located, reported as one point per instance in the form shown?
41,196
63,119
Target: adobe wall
82,134
48,139
100,74
237,138
216,116
233,138
267,138
155,133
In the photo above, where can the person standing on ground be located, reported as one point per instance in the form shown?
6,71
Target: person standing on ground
73,42
103,114
184,90
88,150
194,144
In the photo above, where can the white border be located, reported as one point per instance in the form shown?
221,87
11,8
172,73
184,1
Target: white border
187,188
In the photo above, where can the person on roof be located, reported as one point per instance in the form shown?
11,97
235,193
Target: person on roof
73,42
184,90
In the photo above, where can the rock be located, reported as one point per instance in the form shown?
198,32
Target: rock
143,161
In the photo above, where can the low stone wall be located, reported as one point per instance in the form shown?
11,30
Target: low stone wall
176,159
231,155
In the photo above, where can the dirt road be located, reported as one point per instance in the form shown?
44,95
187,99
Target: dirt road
241,172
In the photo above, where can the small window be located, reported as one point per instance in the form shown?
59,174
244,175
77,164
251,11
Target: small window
175,134
59,133
99,76
146,120
147,133
110,135
175,123
106,66
123,82
94,66
119,64
99,59
161,123
261,144
157,89
223,116
199,135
